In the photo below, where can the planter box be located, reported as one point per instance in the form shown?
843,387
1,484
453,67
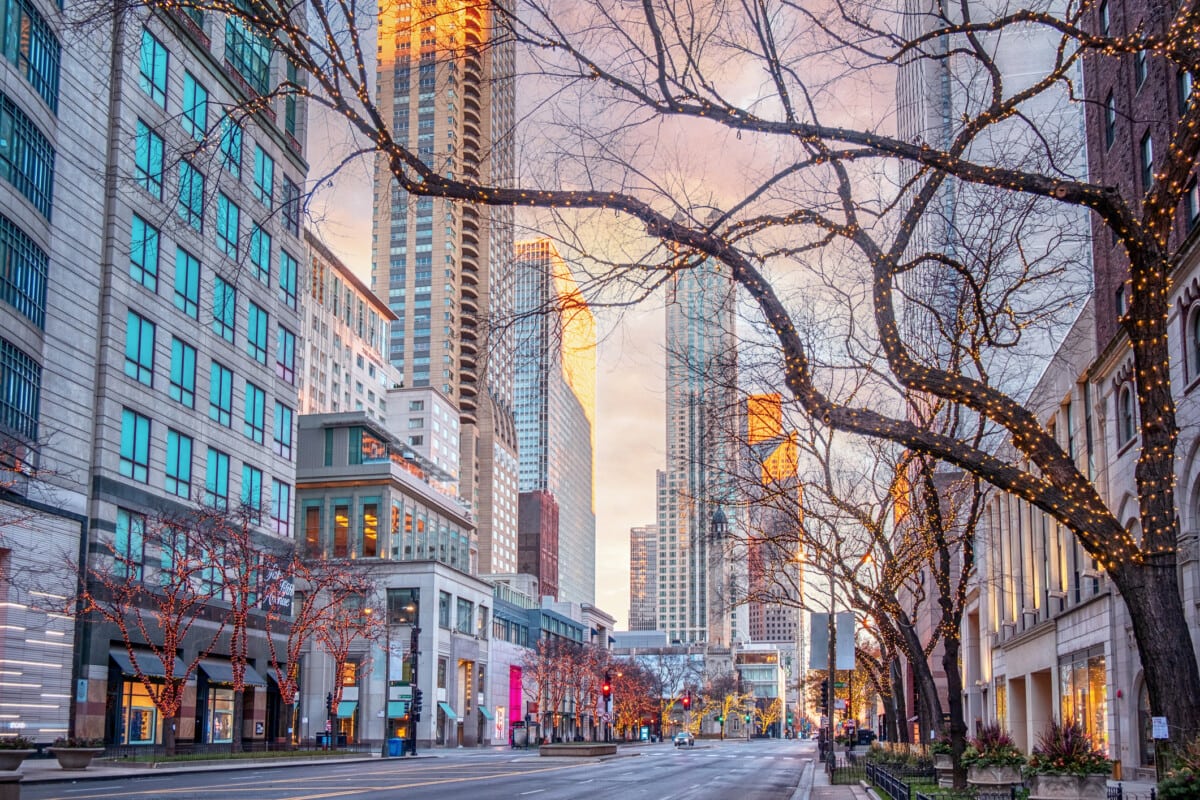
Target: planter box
944,764
11,759
994,778
75,757
1068,787
590,750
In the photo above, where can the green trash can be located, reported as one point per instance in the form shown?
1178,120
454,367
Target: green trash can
395,747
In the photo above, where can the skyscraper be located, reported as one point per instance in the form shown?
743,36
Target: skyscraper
643,574
445,85
555,337
695,584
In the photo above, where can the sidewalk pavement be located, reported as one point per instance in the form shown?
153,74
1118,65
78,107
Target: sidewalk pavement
46,770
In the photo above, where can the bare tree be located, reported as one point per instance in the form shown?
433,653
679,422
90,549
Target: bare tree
817,181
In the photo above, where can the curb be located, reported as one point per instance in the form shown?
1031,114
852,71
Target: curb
154,770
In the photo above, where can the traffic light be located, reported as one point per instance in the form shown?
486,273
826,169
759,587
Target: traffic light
747,719
416,703
823,701
329,704
606,687
721,720
687,701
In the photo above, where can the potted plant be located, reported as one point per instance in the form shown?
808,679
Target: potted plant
14,750
75,752
943,761
1182,779
992,760
1067,764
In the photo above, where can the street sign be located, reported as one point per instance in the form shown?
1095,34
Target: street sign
839,684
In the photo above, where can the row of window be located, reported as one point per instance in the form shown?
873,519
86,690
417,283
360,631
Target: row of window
30,44
144,250
134,463
26,157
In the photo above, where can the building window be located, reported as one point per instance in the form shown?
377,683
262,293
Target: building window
370,529
135,446
288,271
283,430
148,160
444,609
290,102
264,177
1126,415
1140,68
256,410
154,60
1105,21
231,146
404,606
249,53
224,308
216,479
143,253
21,379
1083,687
291,206
195,107
139,348
1183,84
285,355
183,373
179,464
229,220
1110,120
260,253
30,44
129,545
23,270
187,283
312,528
1146,155
252,491
1194,341
281,507
191,196
220,394
1191,204
256,333
341,529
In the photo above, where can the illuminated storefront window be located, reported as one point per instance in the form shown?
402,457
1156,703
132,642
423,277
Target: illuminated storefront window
1083,687
220,715
139,715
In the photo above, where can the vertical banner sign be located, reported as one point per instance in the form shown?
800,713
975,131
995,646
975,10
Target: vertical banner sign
818,651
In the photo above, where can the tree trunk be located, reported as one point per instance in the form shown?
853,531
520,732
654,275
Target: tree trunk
291,712
239,716
169,735
929,704
1151,593
954,703
901,719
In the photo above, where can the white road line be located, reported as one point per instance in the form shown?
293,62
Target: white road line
533,791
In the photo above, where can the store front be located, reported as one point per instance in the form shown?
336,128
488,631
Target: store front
132,718
1083,689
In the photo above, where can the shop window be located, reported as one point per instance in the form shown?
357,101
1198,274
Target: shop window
1084,691
1126,415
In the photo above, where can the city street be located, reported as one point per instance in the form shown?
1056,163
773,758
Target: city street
759,770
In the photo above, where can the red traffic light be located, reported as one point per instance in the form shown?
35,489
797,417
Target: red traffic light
606,689
687,700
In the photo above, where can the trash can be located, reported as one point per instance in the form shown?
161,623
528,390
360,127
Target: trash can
395,747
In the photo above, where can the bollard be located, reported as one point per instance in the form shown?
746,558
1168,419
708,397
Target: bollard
10,785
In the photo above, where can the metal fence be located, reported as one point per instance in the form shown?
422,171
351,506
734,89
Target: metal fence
1116,792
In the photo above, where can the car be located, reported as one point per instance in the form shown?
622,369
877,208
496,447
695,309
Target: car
683,737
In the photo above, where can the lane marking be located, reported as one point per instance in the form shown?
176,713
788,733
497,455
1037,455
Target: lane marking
534,791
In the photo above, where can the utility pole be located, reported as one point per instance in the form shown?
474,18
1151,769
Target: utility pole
414,711
832,699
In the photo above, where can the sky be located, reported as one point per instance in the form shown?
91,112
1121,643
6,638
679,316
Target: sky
630,398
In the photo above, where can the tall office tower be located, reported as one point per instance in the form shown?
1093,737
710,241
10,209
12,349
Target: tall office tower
555,337
643,574
997,233
149,314
774,554
537,521
445,85
341,366
695,582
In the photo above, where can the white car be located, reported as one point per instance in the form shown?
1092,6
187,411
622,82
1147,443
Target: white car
683,737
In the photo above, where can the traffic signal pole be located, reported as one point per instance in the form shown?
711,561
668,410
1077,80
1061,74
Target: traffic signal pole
414,713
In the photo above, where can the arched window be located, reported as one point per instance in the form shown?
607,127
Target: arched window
1193,342
1126,418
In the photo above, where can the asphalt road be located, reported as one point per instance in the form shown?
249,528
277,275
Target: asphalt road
759,770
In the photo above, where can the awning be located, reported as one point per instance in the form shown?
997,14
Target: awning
447,710
397,709
222,672
486,714
148,663
346,708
